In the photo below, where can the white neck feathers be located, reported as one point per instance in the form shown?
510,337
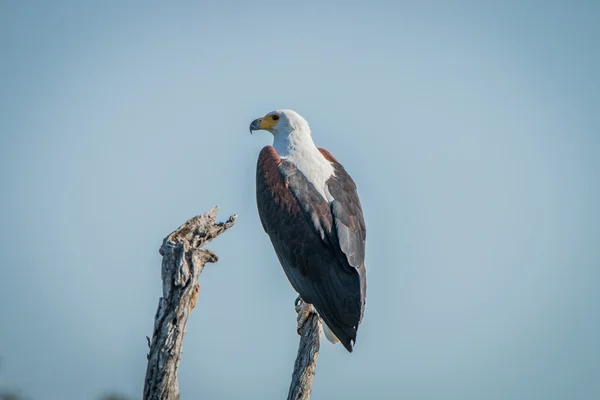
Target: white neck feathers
296,145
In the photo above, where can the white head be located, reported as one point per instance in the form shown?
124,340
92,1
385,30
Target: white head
292,140
281,123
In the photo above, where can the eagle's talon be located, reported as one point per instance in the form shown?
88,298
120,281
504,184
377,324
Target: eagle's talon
304,310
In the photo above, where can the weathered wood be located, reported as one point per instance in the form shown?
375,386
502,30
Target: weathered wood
182,263
306,359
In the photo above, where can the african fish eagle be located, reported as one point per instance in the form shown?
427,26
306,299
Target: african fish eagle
309,207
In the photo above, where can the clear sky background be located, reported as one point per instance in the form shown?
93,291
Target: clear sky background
471,128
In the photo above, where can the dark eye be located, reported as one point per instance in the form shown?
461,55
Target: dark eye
275,117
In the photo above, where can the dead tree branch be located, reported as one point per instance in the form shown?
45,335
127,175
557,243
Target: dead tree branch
308,353
182,263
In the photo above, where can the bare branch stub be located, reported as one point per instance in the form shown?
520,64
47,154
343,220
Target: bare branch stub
306,359
183,261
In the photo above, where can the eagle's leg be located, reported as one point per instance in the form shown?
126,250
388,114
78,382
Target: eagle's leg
304,310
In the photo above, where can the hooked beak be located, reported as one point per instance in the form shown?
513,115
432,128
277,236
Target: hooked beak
255,125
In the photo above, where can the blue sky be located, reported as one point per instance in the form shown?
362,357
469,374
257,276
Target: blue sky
471,129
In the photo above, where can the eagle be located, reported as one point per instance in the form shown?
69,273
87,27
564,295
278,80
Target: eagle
309,207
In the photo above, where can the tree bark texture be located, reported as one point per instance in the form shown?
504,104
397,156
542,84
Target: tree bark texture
306,360
182,263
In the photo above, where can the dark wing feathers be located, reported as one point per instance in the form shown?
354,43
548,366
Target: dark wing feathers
349,221
320,245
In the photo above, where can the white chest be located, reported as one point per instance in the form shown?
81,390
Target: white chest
316,169
309,160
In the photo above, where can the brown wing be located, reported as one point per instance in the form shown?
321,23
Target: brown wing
349,222
300,224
